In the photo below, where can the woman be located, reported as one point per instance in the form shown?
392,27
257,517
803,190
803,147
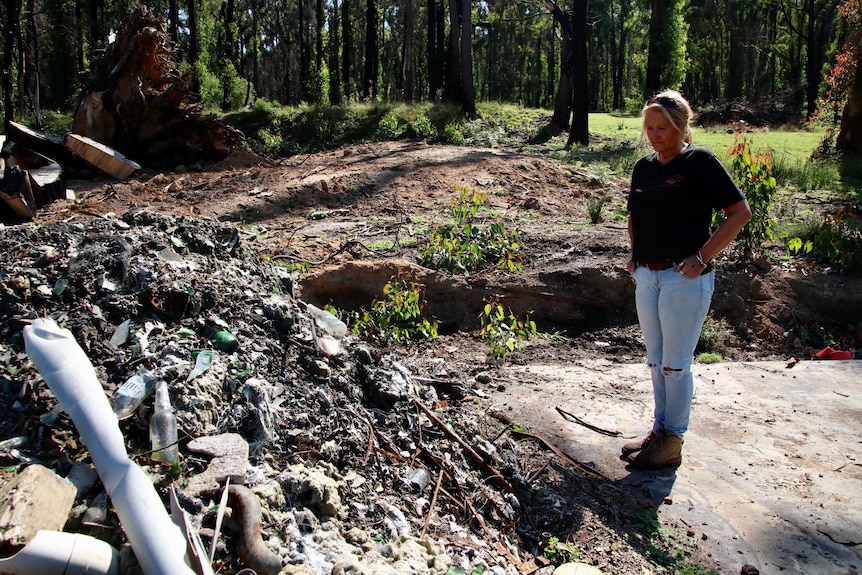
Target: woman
674,191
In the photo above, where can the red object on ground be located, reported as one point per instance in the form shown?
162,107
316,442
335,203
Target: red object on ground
829,353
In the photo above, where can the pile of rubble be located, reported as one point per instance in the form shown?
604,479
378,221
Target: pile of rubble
332,456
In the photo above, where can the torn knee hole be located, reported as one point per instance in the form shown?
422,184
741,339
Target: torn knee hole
672,373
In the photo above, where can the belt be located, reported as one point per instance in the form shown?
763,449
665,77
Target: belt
658,266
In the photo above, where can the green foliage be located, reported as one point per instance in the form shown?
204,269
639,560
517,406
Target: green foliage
558,552
708,358
595,205
274,144
839,241
452,135
504,332
236,87
467,246
806,335
479,570
397,318
796,245
668,43
808,175
753,173
210,86
422,128
713,335
53,122
389,127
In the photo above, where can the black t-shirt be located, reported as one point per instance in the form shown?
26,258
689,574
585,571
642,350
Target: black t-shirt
671,204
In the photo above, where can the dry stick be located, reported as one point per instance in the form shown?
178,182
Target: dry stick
563,455
370,449
535,475
431,505
470,451
547,444
499,546
580,421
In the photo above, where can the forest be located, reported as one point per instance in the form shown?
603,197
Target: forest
794,59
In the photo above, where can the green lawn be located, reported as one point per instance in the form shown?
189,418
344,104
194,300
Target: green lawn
785,144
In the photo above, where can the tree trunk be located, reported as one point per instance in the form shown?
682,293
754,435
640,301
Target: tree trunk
228,54
319,12
302,40
97,39
580,104
255,50
653,68
552,66
346,48
619,69
369,73
334,77
819,28
565,89
79,34
408,68
173,20
452,86
468,90
13,14
193,44
35,71
435,68
563,105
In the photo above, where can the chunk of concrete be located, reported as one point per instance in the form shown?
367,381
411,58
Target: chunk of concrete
36,499
229,452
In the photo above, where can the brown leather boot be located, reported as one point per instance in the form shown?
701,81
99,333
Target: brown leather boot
665,450
638,444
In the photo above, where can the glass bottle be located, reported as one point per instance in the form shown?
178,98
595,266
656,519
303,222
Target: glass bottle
163,427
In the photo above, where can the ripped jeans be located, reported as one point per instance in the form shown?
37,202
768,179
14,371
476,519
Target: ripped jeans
671,311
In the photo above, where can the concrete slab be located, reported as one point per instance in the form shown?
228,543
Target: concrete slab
772,462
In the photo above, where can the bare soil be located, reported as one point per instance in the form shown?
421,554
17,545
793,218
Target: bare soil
370,205
353,218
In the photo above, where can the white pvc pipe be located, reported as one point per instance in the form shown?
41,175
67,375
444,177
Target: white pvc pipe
158,543
61,553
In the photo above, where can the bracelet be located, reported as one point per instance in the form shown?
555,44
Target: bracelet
699,257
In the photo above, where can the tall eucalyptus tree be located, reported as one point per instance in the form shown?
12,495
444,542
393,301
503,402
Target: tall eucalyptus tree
666,60
372,51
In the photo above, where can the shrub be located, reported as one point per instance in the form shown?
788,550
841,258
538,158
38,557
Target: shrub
397,318
713,335
389,127
504,333
467,247
753,172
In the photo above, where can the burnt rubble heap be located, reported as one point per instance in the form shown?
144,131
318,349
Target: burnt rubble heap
359,464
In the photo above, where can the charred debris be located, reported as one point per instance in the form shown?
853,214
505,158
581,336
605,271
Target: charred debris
135,110
332,456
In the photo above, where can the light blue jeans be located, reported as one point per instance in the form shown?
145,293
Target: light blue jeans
671,311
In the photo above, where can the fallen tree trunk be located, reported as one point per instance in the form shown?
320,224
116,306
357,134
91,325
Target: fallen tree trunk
48,148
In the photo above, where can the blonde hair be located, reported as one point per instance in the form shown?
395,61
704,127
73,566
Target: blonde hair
675,108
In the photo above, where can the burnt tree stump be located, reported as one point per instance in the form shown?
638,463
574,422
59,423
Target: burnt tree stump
135,100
